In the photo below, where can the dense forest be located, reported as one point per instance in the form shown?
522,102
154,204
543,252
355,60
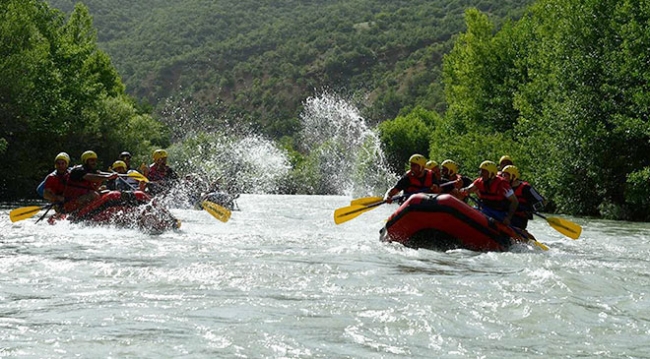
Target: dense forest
560,85
261,59
565,91
59,91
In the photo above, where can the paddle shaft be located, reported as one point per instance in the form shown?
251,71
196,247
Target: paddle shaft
345,214
127,183
49,207
515,229
365,208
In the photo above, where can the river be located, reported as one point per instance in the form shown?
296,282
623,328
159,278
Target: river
281,280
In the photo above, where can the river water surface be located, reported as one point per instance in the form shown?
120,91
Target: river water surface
281,280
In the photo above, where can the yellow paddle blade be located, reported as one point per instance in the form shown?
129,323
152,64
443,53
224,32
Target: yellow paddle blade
539,244
345,214
21,213
137,176
568,228
366,201
217,211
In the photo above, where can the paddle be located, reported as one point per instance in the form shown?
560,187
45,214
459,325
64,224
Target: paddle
365,201
217,211
345,214
539,244
136,175
46,212
525,235
530,240
22,213
566,227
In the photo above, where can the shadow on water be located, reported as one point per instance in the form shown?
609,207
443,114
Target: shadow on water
454,268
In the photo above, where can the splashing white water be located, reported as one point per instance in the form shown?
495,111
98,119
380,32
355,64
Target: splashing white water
347,154
248,164
342,155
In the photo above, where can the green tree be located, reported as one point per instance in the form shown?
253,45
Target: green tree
585,99
60,93
562,90
406,135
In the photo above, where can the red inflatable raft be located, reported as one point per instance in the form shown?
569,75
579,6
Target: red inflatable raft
125,209
442,222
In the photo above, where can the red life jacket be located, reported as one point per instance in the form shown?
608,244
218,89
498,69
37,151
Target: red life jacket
56,183
523,210
419,184
77,188
156,174
492,196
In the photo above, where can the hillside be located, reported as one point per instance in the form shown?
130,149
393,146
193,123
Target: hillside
258,60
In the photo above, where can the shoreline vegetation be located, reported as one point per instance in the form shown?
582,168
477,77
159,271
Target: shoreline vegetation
559,85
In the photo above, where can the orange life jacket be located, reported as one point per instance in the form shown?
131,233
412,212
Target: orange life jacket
419,184
491,196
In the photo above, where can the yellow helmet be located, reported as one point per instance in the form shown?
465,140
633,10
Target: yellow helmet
158,154
431,165
87,156
505,158
118,164
489,166
63,156
513,171
419,160
451,166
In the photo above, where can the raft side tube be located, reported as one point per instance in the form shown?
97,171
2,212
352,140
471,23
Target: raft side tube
442,222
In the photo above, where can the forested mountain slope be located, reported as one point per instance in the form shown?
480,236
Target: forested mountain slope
563,89
261,59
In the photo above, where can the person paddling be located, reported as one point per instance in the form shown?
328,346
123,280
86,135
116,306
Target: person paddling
497,197
434,167
529,199
160,175
450,173
84,182
417,179
55,182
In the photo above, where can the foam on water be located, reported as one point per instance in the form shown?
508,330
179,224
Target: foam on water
280,279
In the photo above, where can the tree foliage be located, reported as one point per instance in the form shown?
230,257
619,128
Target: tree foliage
564,90
59,93
263,59
406,135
